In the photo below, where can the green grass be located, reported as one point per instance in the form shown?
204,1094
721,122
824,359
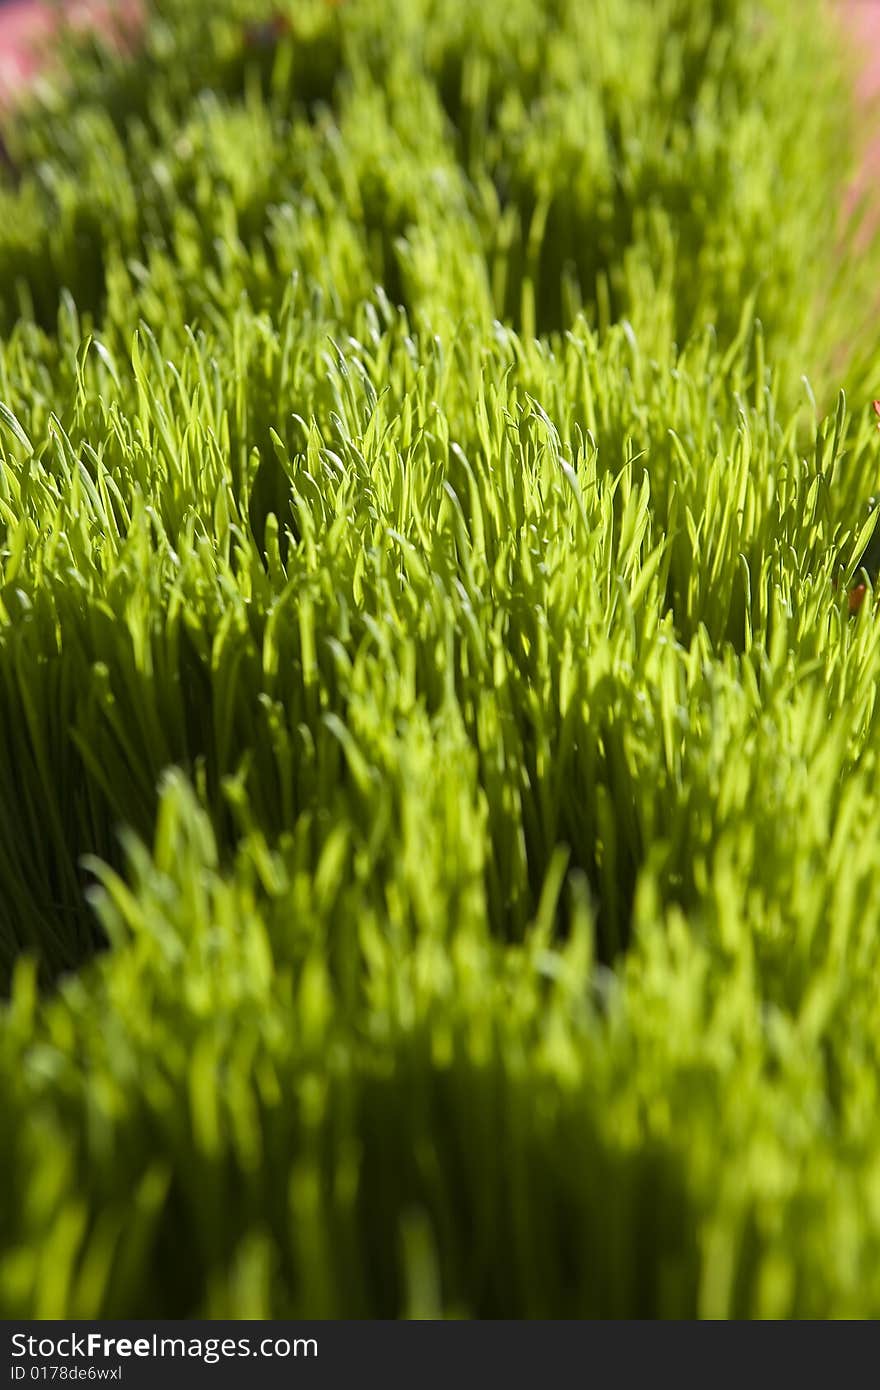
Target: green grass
439,870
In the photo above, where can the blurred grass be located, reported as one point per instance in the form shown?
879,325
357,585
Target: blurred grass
421,671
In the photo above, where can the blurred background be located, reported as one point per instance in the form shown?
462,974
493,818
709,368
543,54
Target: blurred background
26,29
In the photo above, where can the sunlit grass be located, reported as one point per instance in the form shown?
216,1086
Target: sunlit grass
438,854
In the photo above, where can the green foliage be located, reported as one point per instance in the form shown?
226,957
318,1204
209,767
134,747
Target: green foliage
437,866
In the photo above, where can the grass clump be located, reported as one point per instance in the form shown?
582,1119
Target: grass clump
439,773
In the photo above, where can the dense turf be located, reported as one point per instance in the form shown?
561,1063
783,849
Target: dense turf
439,867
